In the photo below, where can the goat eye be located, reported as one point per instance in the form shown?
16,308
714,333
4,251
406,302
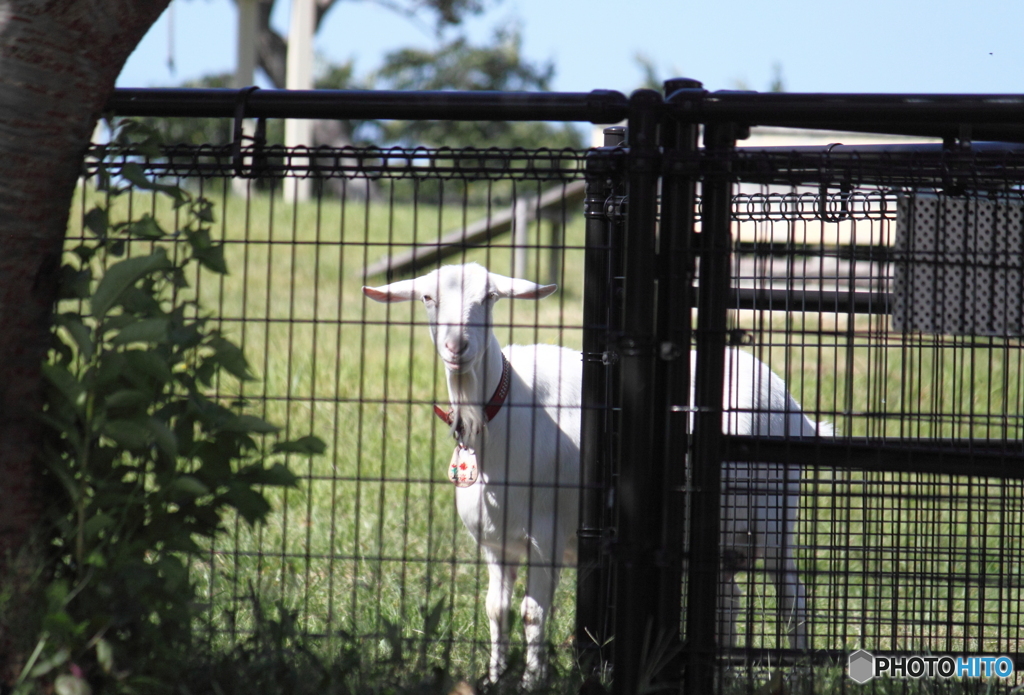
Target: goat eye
427,298
492,295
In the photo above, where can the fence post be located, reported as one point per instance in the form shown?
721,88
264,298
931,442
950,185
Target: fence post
706,459
676,258
638,488
592,585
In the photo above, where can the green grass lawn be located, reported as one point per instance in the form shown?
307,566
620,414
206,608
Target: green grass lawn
370,544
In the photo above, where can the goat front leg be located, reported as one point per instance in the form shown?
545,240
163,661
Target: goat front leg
502,579
536,608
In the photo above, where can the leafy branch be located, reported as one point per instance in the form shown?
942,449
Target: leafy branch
146,460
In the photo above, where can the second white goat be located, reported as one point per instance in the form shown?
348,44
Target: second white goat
522,502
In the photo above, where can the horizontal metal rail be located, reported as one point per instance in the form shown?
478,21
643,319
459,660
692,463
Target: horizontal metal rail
958,116
809,301
965,116
598,106
976,459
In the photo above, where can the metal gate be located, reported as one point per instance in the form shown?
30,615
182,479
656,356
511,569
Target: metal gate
878,282
725,540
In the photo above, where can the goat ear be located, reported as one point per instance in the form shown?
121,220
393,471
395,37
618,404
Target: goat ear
401,291
517,288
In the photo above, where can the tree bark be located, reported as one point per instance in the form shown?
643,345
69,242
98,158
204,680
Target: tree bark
58,63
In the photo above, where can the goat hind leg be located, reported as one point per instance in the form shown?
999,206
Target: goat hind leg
792,604
728,610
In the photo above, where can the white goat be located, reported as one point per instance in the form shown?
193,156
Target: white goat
760,501
524,503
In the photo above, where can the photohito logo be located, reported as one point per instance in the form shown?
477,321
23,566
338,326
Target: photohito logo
863,666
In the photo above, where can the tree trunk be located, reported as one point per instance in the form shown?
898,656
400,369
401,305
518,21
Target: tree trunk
58,63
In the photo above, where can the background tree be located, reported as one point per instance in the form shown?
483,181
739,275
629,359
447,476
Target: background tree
272,48
457,64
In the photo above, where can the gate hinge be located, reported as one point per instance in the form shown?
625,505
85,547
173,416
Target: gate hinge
670,351
615,207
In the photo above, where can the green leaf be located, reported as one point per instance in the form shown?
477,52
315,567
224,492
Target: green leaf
150,147
73,283
56,594
188,335
59,468
95,524
129,399
134,174
188,486
148,364
131,434
96,559
144,331
146,228
308,445
70,684
204,210
66,383
250,504
174,572
164,438
84,252
277,475
111,368
212,258
231,357
47,665
105,655
79,333
185,544
97,222
248,423
123,275
137,300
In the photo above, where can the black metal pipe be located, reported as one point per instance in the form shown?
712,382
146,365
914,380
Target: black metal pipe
598,106
986,116
592,571
838,150
676,249
842,111
706,457
976,459
996,117
638,488
810,301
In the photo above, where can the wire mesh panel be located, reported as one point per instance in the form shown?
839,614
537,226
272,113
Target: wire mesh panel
370,554
906,532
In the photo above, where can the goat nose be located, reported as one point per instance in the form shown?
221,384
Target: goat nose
454,346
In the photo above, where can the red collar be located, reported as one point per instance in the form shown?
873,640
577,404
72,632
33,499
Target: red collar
494,405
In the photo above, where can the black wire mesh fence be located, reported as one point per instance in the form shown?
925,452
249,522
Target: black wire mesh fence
370,549
801,399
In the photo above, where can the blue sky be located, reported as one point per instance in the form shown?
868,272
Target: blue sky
821,45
